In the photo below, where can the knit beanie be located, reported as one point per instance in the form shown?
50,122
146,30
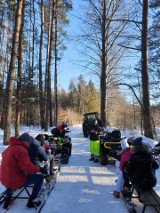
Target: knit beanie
124,143
26,137
137,142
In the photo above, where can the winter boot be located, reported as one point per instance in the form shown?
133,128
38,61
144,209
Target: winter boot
127,192
32,204
116,194
8,202
92,158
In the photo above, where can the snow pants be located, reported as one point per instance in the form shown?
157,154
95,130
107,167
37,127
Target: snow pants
120,182
95,147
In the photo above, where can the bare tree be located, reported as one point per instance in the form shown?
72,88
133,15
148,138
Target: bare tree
19,75
145,81
10,79
41,87
101,32
55,66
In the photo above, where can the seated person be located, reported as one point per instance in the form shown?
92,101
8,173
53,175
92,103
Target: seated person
17,170
141,166
37,152
43,152
62,129
125,155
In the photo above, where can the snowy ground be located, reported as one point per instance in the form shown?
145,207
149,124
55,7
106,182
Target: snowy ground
82,186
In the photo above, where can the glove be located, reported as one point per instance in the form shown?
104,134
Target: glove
44,170
46,147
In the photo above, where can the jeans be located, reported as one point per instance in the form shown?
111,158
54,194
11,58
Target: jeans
36,179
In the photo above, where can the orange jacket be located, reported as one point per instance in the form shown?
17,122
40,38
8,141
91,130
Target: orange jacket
16,165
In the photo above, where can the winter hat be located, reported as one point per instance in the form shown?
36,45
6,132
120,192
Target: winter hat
137,142
124,143
26,137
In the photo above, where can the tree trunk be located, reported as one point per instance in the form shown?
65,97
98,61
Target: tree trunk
18,94
47,79
103,68
55,71
49,64
41,88
10,78
145,81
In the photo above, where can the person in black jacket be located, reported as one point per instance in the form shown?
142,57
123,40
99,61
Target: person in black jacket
141,166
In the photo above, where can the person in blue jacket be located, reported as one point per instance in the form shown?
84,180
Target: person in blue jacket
37,153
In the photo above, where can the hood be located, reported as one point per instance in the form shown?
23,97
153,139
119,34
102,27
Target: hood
13,141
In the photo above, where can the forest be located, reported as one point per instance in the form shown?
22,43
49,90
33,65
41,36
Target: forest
119,43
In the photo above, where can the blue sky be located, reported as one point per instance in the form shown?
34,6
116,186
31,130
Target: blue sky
68,68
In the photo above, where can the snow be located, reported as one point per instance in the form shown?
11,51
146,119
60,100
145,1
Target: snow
82,185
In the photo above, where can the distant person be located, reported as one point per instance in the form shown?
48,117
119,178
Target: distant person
62,128
141,166
124,157
18,171
95,131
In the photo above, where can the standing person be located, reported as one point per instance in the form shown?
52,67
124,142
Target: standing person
95,131
124,157
141,166
18,171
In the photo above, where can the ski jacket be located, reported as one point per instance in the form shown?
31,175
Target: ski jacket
125,155
16,165
141,169
37,153
94,135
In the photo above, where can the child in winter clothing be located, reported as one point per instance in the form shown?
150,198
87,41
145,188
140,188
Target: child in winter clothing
40,153
37,153
125,155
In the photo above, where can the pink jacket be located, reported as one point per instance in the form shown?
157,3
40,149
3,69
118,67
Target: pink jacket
125,155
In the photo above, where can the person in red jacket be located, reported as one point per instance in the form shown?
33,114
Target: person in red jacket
125,155
62,129
18,171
